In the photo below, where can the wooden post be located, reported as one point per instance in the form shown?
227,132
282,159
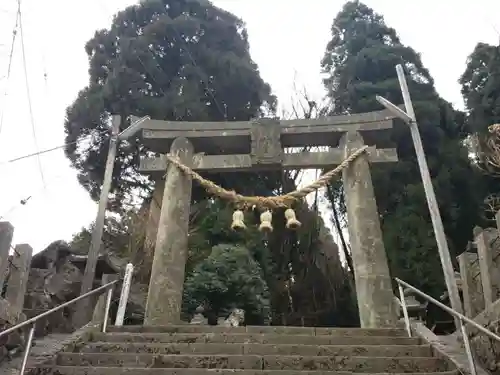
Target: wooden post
19,274
84,311
163,305
371,270
437,223
6,234
486,267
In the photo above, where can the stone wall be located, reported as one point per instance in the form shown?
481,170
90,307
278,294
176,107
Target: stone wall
487,349
493,243
35,284
479,268
14,270
53,280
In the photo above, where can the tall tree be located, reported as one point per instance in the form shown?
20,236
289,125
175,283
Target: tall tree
481,92
481,87
360,63
171,60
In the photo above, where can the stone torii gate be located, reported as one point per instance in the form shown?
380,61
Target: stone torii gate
259,145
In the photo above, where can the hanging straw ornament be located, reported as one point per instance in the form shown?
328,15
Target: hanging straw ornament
238,223
266,219
291,219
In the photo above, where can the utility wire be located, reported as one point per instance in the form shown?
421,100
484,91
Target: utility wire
51,149
11,263
24,201
15,250
10,260
32,119
9,68
33,154
45,75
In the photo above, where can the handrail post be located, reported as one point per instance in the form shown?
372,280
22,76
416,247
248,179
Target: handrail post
106,309
468,349
450,310
31,323
405,310
33,320
462,319
27,349
122,305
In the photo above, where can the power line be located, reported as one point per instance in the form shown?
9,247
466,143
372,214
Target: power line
11,263
24,201
51,149
32,119
9,66
36,153
45,75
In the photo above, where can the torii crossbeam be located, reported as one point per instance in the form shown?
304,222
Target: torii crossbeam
259,145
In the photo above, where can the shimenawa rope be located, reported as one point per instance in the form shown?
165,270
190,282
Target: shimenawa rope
272,202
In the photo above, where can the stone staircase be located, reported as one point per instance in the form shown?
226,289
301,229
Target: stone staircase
193,350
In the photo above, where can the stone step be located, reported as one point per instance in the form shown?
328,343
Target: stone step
69,370
263,349
235,338
254,362
263,329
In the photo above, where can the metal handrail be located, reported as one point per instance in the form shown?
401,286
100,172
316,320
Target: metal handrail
462,318
31,322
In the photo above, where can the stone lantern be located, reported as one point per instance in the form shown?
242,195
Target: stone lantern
416,310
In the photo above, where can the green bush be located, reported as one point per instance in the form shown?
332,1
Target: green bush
228,278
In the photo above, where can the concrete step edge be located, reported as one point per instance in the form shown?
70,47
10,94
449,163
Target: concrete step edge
193,371
243,334
252,348
256,327
397,332
256,362
264,356
256,338
265,326
161,345
291,338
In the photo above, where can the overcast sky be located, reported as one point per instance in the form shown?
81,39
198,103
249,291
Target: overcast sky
287,38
